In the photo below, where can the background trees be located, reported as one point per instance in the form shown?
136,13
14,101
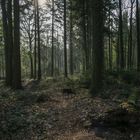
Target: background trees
12,42
6,7
63,38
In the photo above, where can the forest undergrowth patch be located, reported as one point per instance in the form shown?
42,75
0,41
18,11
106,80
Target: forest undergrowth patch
43,112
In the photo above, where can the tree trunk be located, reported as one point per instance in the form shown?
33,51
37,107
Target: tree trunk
65,41
35,41
84,39
71,40
8,38
130,37
39,49
98,49
121,36
31,59
16,48
52,56
110,44
138,35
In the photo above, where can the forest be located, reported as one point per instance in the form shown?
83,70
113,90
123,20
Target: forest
69,70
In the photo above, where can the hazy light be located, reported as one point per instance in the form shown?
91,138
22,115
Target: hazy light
41,2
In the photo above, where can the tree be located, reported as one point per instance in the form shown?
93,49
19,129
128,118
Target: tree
84,35
121,36
38,34
138,35
130,36
71,40
98,49
110,40
65,41
8,38
16,83
27,33
52,66
35,40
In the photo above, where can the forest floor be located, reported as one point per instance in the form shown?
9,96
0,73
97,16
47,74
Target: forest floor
48,110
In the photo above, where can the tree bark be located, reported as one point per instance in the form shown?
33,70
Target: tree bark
121,36
8,38
31,59
98,47
130,37
16,48
39,49
52,56
138,35
35,41
65,41
71,40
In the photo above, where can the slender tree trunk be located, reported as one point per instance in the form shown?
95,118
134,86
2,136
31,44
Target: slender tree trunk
65,41
130,37
138,35
35,45
121,36
71,40
10,39
31,59
3,68
118,53
110,45
39,49
84,39
98,49
52,56
90,23
16,48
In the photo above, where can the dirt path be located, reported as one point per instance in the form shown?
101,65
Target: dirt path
43,112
